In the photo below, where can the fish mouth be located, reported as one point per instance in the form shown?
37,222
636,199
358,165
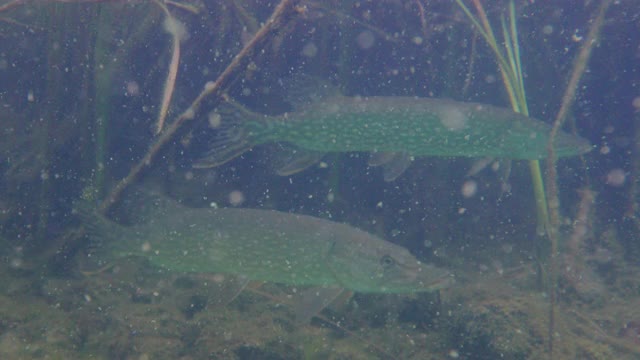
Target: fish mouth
565,147
442,281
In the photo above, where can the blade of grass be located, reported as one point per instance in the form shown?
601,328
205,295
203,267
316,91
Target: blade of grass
170,82
511,71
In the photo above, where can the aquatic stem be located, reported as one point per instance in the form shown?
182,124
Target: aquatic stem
285,10
579,68
511,71
552,185
634,189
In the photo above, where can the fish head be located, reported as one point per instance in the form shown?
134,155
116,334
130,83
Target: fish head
365,263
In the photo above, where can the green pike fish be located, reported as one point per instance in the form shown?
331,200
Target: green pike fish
394,129
267,245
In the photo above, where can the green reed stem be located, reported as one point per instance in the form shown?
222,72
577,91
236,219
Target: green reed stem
511,70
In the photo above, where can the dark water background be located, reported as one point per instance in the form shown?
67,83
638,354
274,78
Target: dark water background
80,89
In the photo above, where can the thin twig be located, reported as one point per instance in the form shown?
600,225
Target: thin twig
285,10
15,3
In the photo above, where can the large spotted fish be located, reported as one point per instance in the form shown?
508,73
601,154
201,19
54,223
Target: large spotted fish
394,129
265,245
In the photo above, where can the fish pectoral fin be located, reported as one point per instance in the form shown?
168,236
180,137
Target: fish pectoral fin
297,160
221,289
393,164
221,153
479,165
311,302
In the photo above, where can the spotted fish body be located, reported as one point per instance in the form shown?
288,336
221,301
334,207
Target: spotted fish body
408,125
268,245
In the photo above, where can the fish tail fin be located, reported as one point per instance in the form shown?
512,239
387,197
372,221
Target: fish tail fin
105,237
237,130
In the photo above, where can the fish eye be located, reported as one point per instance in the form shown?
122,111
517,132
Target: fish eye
387,261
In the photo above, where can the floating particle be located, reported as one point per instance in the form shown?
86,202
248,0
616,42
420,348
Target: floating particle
236,198
547,29
310,50
366,39
616,177
507,248
132,88
469,188
576,37
331,197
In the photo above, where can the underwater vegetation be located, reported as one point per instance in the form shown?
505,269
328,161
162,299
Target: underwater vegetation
507,133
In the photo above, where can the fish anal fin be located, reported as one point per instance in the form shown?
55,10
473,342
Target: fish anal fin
393,164
312,301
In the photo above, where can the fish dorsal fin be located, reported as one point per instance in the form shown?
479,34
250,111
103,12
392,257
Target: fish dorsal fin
302,90
295,160
146,203
312,301
393,164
